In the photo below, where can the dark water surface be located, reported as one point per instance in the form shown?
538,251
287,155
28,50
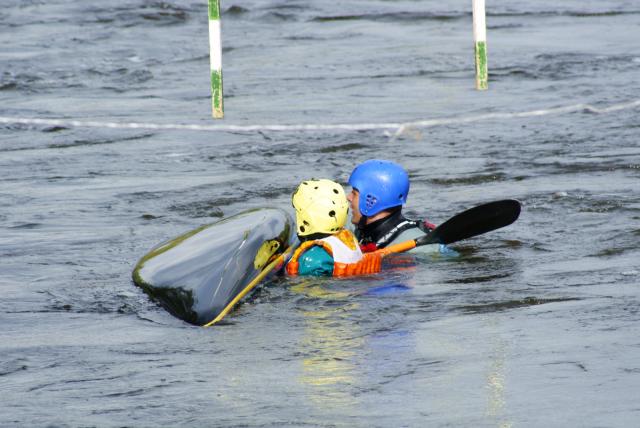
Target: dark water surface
534,325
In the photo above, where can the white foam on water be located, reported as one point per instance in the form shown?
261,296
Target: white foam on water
396,127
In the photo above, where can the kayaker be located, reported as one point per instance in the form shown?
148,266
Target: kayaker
379,189
326,248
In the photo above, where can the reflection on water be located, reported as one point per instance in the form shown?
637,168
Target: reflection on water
347,351
496,379
330,344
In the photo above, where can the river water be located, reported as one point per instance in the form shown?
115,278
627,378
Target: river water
536,324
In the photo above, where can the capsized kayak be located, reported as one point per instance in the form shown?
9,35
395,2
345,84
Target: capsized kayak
197,275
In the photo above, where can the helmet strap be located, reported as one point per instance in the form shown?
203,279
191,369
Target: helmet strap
362,223
313,236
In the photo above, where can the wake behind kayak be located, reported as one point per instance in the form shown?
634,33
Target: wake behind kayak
198,274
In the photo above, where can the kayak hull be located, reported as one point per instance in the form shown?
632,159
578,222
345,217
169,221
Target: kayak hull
198,274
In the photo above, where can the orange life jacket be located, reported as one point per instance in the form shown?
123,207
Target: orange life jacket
348,260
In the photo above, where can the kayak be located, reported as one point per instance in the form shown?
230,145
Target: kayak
200,275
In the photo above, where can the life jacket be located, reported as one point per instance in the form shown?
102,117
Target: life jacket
386,232
348,259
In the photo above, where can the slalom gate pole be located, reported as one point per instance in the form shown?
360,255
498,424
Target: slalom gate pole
480,40
215,57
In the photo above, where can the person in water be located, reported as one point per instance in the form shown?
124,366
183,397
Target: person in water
379,189
326,248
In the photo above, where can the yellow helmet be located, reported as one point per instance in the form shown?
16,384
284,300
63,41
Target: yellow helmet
321,207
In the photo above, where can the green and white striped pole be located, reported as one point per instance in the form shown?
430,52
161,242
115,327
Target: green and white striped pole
215,58
480,40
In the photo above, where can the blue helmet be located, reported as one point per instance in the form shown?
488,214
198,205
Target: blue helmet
381,184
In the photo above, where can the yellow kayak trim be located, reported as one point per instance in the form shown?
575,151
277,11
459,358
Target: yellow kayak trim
267,269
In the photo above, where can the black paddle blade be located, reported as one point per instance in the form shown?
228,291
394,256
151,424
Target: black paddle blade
472,222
